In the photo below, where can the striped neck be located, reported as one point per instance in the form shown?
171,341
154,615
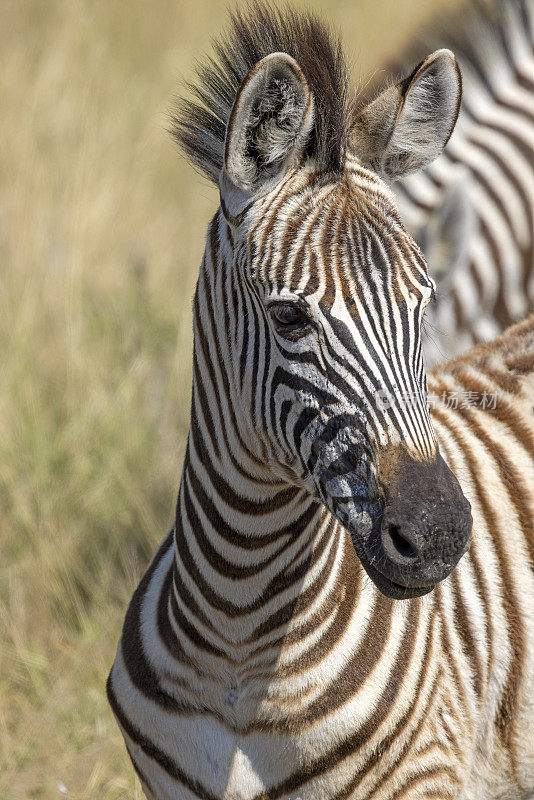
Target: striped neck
251,547
241,564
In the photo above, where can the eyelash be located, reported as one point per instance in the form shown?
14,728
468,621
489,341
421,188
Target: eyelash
297,323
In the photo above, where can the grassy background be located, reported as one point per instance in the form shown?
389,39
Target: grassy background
101,233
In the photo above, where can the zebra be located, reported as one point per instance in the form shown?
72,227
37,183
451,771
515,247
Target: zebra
472,209
301,633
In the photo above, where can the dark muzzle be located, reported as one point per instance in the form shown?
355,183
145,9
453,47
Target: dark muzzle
426,526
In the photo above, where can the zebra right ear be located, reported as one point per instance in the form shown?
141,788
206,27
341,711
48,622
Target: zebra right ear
408,125
269,125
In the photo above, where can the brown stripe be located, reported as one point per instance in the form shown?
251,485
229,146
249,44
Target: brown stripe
504,411
208,593
346,598
190,632
463,628
481,583
509,697
430,773
512,480
360,738
301,603
456,671
188,600
285,536
401,725
167,634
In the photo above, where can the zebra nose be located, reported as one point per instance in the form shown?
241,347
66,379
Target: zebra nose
399,543
426,525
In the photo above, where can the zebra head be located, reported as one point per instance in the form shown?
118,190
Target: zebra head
327,292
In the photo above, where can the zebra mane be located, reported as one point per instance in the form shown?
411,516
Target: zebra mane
199,124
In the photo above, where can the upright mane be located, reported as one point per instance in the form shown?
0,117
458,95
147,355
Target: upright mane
199,124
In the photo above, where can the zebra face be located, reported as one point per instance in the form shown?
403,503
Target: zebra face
338,290
331,291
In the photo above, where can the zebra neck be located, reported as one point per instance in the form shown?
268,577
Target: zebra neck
242,567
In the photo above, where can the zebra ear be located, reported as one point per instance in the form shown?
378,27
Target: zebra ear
269,124
408,125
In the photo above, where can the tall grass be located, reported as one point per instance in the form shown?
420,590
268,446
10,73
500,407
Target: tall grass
101,233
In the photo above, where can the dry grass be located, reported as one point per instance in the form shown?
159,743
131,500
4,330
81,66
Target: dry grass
101,233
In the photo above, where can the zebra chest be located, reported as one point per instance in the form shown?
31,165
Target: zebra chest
215,762
240,745
232,766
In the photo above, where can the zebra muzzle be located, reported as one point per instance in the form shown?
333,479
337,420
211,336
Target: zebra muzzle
426,525
411,537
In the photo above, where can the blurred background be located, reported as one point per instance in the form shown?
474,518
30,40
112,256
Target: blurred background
102,226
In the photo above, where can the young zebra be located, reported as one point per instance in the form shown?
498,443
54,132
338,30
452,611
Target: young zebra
258,661
472,210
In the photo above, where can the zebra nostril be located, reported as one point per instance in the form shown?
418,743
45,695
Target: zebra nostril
398,545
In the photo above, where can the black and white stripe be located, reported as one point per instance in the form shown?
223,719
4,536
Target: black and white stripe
472,210
301,632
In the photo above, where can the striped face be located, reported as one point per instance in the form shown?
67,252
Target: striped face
329,293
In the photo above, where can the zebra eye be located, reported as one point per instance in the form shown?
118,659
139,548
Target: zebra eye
288,317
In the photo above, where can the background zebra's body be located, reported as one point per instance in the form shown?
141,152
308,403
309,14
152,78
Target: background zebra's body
472,210
330,690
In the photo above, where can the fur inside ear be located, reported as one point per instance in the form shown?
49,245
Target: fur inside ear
408,125
269,123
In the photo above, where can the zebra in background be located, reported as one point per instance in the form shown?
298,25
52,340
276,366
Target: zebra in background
298,634
472,209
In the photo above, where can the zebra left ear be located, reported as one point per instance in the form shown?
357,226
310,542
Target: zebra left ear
408,125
